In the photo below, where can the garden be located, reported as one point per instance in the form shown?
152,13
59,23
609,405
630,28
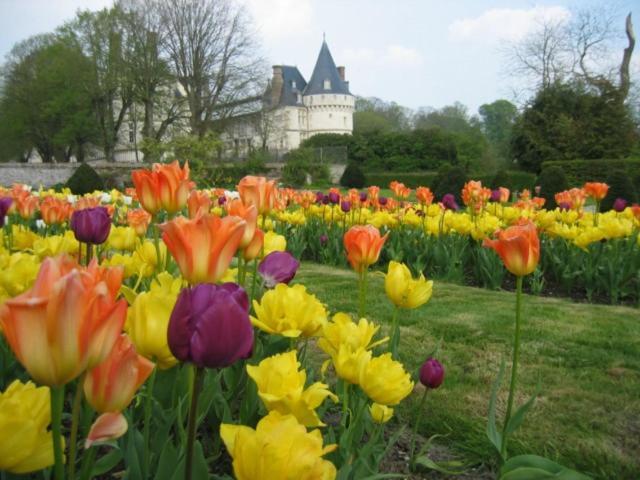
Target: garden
168,331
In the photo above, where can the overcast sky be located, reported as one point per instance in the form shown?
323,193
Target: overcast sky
414,52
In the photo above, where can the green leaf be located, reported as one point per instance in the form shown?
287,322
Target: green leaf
426,462
105,463
534,467
167,463
518,417
492,431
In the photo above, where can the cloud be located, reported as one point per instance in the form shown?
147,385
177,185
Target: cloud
504,23
278,19
390,56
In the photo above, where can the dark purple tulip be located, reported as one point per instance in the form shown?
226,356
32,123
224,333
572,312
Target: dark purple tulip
91,225
619,205
449,202
222,200
345,206
278,267
363,197
431,373
564,206
334,198
382,201
325,199
210,326
323,239
495,195
5,204
319,197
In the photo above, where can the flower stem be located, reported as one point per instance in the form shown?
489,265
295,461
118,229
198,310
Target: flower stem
395,334
412,459
514,366
345,402
73,437
254,279
57,403
148,403
87,464
191,425
363,293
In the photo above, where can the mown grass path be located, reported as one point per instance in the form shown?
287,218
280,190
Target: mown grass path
585,358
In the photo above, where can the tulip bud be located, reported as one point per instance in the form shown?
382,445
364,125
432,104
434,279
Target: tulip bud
319,197
334,198
363,197
222,200
5,204
619,205
325,199
382,201
91,225
210,325
345,206
449,202
431,373
495,195
278,267
323,239
564,206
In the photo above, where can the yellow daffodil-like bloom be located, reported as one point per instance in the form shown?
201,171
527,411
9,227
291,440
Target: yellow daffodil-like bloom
148,320
348,363
403,290
274,243
145,257
18,271
122,238
342,330
25,414
56,244
385,380
124,260
380,413
292,218
279,448
281,387
23,238
289,311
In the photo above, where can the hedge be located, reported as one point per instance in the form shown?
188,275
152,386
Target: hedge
580,171
518,180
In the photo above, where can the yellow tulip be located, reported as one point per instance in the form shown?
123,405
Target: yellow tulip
145,257
380,413
342,330
124,260
56,244
18,271
25,414
281,387
385,380
289,311
348,362
231,275
274,243
279,448
23,238
403,290
148,320
122,238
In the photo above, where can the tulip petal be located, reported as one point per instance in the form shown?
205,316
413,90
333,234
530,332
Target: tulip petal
108,426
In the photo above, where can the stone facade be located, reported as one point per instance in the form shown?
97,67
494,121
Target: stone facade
49,174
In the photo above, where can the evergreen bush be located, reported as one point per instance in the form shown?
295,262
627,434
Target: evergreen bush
85,180
449,180
353,176
620,186
551,181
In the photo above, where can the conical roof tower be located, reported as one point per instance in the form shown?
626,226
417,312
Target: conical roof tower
325,77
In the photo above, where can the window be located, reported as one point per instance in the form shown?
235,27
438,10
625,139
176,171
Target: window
345,121
293,84
299,98
327,84
132,133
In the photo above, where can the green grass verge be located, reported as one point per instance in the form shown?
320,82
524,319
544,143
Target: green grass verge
584,358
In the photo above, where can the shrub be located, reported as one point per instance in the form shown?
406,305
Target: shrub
256,162
411,180
501,179
620,186
301,163
85,180
353,177
580,171
449,180
636,183
552,180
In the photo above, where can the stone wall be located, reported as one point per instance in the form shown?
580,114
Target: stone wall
48,174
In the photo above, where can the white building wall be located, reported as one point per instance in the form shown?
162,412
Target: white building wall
330,113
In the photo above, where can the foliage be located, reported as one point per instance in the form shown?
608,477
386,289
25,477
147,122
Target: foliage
353,177
569,121
551,181
300,165
411,180
450,179
498,119
620,186
84,180
501,179
256,162
580,171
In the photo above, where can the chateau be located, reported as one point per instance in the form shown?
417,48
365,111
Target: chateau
293,109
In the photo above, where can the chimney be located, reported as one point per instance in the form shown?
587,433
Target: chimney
341,73
276,85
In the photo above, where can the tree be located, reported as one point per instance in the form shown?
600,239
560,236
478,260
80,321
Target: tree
212,55
373,114
498,118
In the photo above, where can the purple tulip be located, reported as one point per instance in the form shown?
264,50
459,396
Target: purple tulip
363,197
91,225
319,197
210,326
334,198
325,199
278,267
564,206
495,195
619,205
449,202
345,206
431,373
382,201
5,204
323,239
222,200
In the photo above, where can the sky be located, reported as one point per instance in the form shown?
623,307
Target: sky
416,53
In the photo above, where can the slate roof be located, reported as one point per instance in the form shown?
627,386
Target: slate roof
325,69
291,76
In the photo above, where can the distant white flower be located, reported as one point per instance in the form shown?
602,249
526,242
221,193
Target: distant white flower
232,194
127,199
71,199
40,223
105,197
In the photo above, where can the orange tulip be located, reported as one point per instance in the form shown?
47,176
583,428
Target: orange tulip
363,245
165,186
139,220
67,322
505,194
373,192
518,247
26,204
111,385
596,190
108,426
258,191
252,251
635,209
55,210
203,247
249,214
198,202
424,195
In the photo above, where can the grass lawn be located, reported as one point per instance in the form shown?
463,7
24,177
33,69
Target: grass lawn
585,358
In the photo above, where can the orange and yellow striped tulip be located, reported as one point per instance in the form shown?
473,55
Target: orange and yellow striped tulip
139,219
258,191
165,186
363,245
199,202
518,247
55,210
249,213
596,190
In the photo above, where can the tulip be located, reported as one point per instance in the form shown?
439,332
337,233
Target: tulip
252,251
203,247
385,380
26,204
5,204
25,414
518,247
278,448
165,186
334,198
274,243
449,202
281,387
345,206
424,195
248,213
342,330
91,225
619,205
325,199
258,191
111,385
108,426
278,267
596,190
199,202
380,413
139,220
495,196
54,210
431,373
123,239
363,245
383,201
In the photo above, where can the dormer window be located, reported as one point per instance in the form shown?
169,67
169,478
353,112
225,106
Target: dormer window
293,84
299,98
327,84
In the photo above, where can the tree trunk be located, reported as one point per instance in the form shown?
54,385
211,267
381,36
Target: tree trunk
625,80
